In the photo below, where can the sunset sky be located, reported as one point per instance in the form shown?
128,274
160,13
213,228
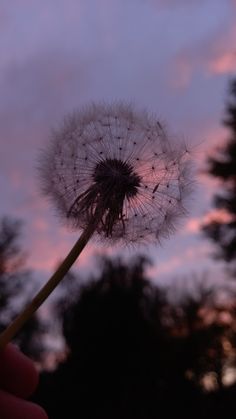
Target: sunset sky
172,57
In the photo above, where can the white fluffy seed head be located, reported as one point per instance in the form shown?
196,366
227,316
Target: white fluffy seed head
120,160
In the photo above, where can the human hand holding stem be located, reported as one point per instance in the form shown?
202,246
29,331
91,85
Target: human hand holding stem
112,172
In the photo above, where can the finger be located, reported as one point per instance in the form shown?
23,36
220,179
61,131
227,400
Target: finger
14,407
18,374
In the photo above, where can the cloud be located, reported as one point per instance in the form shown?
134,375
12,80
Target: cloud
215,55
41,85
35,95
224,63
182,74
184,261
48,250
176,3
194,225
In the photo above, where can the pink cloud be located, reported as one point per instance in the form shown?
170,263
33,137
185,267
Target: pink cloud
50,244
188,256
194,225
218,215
165,267
224,63
40,224
211,57
215,137
181,76
48,251
222,54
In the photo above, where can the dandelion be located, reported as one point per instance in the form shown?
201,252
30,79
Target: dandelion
118,165
112,172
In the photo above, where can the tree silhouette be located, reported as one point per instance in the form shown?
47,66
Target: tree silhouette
14,281
223,167
133,354
123,360
12,271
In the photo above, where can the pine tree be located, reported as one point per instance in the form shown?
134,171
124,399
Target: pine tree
223,167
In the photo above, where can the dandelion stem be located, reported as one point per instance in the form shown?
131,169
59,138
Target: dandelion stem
46,290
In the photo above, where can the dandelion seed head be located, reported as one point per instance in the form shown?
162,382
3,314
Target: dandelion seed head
119,160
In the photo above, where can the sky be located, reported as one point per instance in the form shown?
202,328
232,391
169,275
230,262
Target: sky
171,57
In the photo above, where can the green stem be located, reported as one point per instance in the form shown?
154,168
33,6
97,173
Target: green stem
46,290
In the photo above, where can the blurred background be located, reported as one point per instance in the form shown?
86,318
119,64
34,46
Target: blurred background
139,333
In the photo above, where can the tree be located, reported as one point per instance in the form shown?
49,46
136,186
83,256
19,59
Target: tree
122,362
133,354
14,291
223,166
12,272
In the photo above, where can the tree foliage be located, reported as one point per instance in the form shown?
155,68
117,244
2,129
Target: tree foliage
132,354
223,167
14,290
12,271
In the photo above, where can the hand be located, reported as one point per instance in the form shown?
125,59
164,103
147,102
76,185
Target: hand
18,379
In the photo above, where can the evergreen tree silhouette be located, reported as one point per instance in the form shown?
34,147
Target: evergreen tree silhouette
223,167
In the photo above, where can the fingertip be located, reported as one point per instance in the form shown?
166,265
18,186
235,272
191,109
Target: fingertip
37,411
17,408
17,372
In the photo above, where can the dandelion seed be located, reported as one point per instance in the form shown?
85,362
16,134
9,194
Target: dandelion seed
112,172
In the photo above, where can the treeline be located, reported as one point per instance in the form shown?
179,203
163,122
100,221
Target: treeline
128,351
132,354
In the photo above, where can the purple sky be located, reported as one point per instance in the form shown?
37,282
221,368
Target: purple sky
173,57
